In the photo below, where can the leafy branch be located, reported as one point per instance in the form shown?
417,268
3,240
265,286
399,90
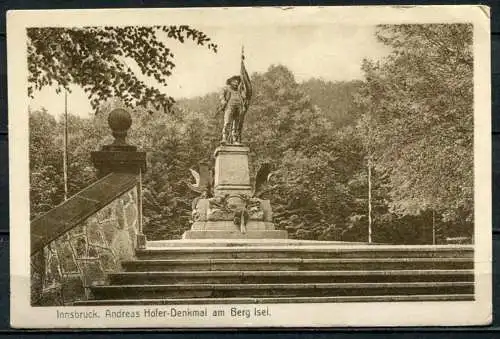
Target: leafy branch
98,59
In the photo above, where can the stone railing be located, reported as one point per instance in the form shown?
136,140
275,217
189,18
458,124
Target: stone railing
65,267
75,245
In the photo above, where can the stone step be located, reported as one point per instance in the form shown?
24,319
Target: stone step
196,243
254,277
251,252
279,290
296,264
279,300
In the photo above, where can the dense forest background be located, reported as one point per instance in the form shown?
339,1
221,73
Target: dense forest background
409,123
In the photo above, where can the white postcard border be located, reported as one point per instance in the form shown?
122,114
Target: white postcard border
290,315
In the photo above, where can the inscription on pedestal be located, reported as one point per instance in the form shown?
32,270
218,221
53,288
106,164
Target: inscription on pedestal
232,175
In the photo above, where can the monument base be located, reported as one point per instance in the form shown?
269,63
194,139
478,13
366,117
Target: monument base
225,234
227,225
232,212
225,229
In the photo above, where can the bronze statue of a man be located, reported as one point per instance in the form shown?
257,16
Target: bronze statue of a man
234,102
232,105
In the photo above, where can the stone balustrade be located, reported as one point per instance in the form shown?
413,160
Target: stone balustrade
83,256
76,244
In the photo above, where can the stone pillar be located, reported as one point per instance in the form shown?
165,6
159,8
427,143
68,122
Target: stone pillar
120,157
232,174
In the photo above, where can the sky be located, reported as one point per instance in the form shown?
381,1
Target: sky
331,52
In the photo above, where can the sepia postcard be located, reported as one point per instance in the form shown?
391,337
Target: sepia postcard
250,167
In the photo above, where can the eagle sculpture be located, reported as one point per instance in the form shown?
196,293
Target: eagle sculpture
261,179
203,180
204,186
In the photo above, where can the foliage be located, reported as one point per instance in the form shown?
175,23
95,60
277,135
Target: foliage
45,184
285,128
411,118
98,59
46,157
334,99
418,119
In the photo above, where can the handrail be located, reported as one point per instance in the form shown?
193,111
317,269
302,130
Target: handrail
79,207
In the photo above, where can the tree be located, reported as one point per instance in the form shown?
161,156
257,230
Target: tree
45,163
334,99
420,107
312,158
97,59
46,156
85,136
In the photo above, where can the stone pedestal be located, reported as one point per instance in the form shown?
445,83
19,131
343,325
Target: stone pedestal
271,234
232,174
232,213
220,218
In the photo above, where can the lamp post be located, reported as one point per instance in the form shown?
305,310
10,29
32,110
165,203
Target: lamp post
65,146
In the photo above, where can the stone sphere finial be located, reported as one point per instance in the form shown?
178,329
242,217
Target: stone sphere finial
119,120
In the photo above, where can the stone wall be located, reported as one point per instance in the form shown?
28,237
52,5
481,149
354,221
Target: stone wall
83,256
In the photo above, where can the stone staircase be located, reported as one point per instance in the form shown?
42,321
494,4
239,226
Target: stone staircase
287,271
